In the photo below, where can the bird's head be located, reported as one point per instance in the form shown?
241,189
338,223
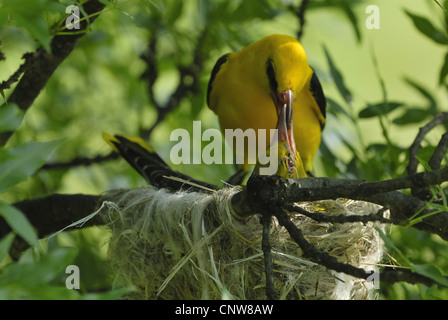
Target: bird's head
286,68
286,73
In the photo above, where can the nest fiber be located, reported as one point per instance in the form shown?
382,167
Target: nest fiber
188,245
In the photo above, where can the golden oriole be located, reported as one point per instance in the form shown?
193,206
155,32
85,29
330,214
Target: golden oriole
248,89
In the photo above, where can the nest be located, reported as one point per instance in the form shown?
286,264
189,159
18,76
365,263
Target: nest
188,245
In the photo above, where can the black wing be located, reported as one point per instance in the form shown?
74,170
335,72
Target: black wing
215,70
318,94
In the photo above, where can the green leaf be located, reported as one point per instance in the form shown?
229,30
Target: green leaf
37,28
353,19
336,108
427,28
330,161
5,244
444,7
19,223
430,271
391,245
31,273
174,11
10,117
19,163
373,110
411,116
432,104
338,79
443,70
30,15
2,93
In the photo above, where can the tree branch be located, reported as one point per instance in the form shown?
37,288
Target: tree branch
300,13
436,159
79,161
54,212
323,258
440,152
273,189
42,64
189,80
16,75
267,253
417,144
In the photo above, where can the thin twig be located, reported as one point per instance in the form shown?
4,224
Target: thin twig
424,193
310,251
416,145
332,263
273,189
301,16
439,153
79,161
189,81
267,252
16,75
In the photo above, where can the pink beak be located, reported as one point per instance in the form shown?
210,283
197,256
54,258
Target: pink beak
283,104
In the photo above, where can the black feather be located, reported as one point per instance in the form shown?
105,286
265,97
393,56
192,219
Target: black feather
215,70
318,94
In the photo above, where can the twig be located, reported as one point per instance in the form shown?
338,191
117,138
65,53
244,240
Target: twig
310,251
189,81
439,153
423,192
2,55
416,145
151,72
434,163
16,75
267,252
80,161
274,190
301,16
332,263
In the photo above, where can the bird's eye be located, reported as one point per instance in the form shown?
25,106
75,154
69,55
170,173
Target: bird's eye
291,166
290,163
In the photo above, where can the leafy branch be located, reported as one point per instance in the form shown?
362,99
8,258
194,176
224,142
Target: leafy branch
40,65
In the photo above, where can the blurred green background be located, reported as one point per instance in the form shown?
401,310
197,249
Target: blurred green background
398,69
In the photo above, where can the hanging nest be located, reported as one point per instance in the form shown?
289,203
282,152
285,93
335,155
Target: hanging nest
188,245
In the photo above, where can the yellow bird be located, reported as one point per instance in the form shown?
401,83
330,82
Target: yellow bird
248,89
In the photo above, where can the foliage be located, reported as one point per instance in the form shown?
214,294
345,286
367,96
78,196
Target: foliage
125,71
